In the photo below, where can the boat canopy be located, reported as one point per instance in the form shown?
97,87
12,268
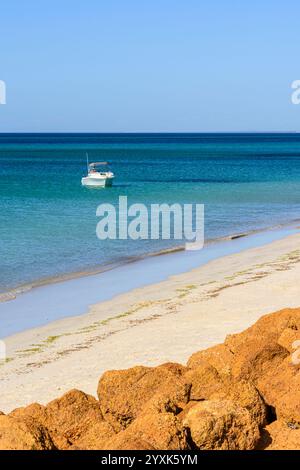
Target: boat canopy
92,165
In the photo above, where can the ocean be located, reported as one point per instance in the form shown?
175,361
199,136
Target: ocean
247,182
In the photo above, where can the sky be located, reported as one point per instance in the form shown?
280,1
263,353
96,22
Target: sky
149,66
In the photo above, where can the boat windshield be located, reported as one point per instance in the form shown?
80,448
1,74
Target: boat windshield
99,167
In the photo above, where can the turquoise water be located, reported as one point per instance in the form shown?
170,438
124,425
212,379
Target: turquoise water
48,221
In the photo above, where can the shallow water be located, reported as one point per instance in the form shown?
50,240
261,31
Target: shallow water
51,302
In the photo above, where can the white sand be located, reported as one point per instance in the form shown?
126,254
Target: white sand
163,322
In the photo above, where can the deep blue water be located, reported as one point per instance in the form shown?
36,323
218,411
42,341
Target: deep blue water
48,220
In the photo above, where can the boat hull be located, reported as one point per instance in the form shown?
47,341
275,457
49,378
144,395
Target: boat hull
97,182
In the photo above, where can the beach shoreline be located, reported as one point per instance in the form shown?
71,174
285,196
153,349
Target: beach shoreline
13,292
160,322
73,296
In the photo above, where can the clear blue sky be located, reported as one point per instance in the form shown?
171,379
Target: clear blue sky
168,65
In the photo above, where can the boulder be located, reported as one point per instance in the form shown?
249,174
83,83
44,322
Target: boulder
152,430
23,434
158,425
254,358
281,390
74,418
207,383
244,394
123,394
221,425
281,436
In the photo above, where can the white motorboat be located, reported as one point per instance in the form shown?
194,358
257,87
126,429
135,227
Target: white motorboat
98,174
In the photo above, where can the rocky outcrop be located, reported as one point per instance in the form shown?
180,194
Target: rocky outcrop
240,395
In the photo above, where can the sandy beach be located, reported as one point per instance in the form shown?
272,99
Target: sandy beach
151,325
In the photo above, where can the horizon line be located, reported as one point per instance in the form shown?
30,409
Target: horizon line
148,132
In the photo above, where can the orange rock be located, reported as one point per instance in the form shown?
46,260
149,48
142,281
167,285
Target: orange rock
246,395
171,397
288,337
263,345
220,357
281,390
255,357
280,436
207,383
75,417
23,434
268,328
204,379
221,425
94,437
123,394
161,431
158,425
